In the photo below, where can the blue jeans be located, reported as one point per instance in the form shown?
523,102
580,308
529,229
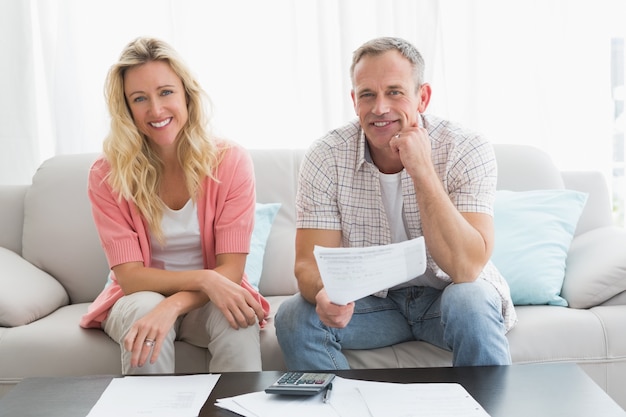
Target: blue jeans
464,318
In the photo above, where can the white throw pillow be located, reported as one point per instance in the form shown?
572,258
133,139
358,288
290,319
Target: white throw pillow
26,292
596,267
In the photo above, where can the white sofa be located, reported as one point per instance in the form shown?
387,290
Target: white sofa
52,267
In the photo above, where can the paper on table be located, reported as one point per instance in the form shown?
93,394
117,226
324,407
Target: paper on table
427,400
352,273
261,404
155,396
355,398
346,401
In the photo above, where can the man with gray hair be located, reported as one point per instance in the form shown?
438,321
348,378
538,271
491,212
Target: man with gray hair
392,175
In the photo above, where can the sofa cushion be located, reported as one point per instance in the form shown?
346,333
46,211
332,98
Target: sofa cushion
596,267
533,232
28,293
263,218
56,345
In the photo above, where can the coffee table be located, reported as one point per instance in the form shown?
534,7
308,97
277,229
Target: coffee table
533,390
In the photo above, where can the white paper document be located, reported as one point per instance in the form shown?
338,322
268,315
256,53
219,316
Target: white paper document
155,396
355,398
432,400
352,273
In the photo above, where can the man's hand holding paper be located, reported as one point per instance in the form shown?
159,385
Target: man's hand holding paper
353,273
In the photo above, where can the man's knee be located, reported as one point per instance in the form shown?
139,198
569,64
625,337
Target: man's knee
478,298
290,313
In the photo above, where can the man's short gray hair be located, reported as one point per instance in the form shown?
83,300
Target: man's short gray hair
380,45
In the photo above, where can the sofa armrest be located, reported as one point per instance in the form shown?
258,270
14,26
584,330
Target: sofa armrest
12,216
26,292
596,267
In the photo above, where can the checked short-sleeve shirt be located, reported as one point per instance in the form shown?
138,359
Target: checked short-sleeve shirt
339,189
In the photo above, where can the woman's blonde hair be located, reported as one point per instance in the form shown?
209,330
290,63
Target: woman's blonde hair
135,166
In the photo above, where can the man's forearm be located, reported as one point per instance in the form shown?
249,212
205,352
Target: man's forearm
456,245
309,280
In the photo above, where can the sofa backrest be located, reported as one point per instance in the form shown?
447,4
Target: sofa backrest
524,167
59,235
276,174
598,211
12,216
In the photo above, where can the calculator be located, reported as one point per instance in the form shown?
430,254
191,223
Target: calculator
300,383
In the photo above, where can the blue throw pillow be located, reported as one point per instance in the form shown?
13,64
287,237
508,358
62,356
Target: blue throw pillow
533,233
263,218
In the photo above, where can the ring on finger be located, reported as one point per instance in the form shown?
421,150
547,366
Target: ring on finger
397,135
149,342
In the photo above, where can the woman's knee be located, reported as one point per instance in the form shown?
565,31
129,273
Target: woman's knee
127,310
140,303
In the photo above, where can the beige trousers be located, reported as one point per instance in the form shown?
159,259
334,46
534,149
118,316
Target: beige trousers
230,349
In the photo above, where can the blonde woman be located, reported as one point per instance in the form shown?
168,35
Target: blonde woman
174,209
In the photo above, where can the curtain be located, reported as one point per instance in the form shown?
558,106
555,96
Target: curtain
535,72
277,71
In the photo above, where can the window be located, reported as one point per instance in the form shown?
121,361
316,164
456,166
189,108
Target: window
619,124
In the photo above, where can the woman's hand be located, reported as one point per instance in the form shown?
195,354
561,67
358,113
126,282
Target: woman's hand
235,302
146,336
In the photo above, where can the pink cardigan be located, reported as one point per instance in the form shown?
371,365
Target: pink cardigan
225,213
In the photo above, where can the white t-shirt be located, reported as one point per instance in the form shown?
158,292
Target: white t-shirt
183,248
391,190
